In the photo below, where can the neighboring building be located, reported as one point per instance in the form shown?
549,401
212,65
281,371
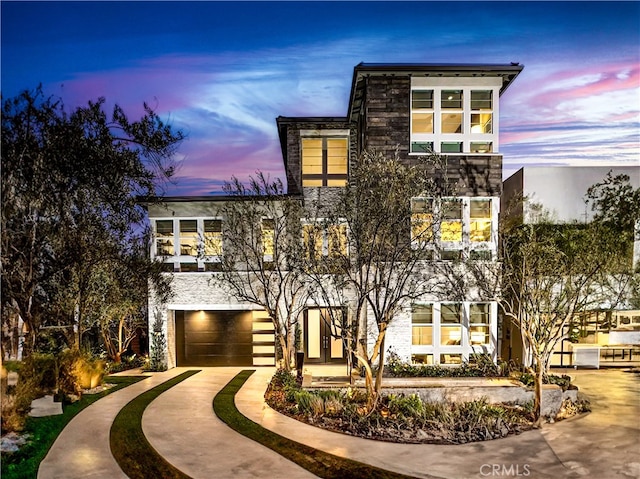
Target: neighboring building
452,110
561,192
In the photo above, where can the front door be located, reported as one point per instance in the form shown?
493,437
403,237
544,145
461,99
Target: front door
320,345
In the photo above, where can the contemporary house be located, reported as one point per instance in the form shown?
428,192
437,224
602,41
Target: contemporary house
561,193
452,110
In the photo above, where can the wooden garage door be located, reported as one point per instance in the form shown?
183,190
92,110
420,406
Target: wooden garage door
214,338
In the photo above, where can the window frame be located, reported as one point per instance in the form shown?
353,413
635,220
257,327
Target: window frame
324,178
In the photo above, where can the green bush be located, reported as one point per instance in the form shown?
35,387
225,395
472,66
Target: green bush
407,406
529,380
482,366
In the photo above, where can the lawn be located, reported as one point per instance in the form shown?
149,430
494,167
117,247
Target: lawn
44,431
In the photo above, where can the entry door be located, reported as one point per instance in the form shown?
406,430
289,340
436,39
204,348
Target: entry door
319,345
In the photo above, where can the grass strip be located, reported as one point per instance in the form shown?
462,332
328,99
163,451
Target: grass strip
43,432
317,462
129,446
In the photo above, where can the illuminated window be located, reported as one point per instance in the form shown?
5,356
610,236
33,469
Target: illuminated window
479,324
319,242
451,224
312,237
324,161
422,325
337,241
451,123
212,237
481,100
268,236
481,147
451,100
481,123
480,227
188,237
421,220
451,147
422,111
164,238
450,324
422,358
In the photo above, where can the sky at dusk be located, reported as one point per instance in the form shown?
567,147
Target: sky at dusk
223,71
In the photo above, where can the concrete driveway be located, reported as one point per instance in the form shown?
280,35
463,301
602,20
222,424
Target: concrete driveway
181,425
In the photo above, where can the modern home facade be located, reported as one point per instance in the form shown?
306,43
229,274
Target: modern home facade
451,110
560,193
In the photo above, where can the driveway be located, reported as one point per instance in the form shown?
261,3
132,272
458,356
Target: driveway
181,425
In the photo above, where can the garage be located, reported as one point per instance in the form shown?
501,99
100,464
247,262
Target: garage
214,338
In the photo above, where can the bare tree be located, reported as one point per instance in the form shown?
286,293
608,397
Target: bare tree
385,262
261,254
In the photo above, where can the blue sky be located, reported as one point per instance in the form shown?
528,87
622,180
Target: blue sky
223,71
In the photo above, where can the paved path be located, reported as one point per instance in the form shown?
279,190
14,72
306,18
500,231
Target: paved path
181,425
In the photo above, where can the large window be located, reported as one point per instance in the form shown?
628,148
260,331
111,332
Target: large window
324,161
312,237
330,241
452,120
479,324
422,325
480,225
164,238
450,324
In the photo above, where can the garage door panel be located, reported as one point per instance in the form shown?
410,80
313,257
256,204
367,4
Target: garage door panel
214,338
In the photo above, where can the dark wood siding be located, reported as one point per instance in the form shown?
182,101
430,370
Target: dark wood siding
214,338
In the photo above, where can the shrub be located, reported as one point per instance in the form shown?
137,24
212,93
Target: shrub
407,406
528,379
482,366
78,371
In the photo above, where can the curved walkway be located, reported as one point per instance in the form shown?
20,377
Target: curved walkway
180,425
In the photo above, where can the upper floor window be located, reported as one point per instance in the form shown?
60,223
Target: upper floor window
421,220
480,220
451,324
324,161
451,224
452,120
268,237
212,237
479,324
188,237
164,238
319,242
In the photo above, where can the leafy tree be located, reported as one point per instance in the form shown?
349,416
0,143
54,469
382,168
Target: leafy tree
261,254
69,187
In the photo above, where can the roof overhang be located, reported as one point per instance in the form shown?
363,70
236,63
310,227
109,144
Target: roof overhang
508,72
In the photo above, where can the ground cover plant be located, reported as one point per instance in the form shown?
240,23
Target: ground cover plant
43,431
320,463
396,418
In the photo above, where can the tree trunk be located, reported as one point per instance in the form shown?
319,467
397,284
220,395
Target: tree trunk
380,364
537,404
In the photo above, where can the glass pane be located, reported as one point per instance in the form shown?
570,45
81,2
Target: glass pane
479,313
481,99
422,335
421,147
451,123
335,183
451,147
308,182
312,156
314,333
486,147
480,255
337,156
422,123
452,210
268,236
481,123
451,100
479,335
188,238
450,255
422,314
188,226
164,227
450,335
337,239
422,99
450,359
312,237
213,226
188,267
422,358
421,205
421,224
480,230
480,209
450,313
212,237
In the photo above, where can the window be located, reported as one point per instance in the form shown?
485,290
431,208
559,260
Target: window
188,237
479,324
421,220
450,324
324,161
164,238
453,119
451,255
268,237
188,267
480,226
422,325
451,224
319,242
480,255
422,358
212,237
